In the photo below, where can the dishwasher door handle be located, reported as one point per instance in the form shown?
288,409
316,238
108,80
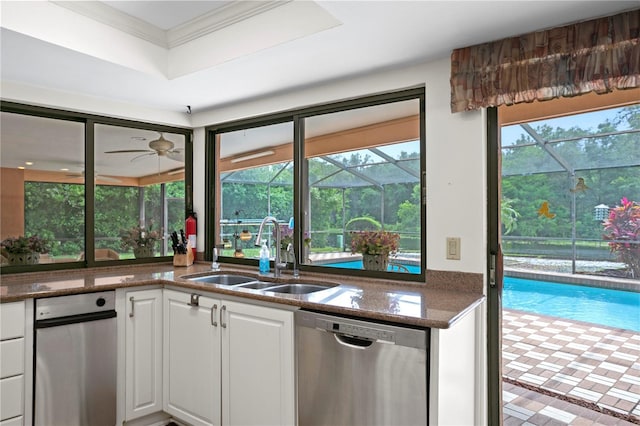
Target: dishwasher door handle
74,319
353,342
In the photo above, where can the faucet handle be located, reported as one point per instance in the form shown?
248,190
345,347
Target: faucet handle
296,272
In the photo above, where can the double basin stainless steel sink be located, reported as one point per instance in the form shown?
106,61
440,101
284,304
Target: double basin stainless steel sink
250,283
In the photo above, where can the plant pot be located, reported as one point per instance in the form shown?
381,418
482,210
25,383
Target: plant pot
143,251
375,262
286,256
23,258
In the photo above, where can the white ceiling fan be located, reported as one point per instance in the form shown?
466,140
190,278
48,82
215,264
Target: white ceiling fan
160,147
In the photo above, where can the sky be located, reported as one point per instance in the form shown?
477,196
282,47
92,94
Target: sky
586,121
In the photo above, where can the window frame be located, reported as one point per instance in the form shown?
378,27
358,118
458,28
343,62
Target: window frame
300,183
89,121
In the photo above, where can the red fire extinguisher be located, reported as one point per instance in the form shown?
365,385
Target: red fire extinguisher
191,227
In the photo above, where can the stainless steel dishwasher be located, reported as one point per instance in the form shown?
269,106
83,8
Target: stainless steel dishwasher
353,372
75,360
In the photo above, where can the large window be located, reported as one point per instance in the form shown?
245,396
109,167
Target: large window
94,192
344,182
256,180
42,191
561,179
364,179
137,173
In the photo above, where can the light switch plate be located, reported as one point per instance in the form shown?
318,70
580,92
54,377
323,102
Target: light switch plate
453,248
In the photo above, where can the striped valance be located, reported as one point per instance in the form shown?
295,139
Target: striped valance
599,56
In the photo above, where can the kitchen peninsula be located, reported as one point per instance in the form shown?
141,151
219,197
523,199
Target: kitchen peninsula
448,313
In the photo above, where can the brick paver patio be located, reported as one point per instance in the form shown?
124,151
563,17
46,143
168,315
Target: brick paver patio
577,361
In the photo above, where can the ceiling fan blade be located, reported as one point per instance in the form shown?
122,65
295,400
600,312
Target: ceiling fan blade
139,157
126,151
176,171
176,155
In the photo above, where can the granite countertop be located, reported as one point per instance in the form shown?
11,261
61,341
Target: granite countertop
426,305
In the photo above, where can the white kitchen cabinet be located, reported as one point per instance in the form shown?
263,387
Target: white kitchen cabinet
143,353
258,374
12,320
16,360
227,362
191,358
15,421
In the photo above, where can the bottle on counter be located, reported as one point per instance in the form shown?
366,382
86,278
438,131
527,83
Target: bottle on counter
264,258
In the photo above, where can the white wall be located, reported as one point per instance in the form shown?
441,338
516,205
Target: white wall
45,97
456,177
47,21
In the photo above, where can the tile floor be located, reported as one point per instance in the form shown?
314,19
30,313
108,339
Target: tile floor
574,360
526,407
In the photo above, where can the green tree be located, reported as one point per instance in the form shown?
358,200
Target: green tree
56,211
605,159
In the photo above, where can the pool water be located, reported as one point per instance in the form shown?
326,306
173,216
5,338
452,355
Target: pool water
612,308
357,264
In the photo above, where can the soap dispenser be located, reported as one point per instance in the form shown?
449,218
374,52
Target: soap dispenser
264,258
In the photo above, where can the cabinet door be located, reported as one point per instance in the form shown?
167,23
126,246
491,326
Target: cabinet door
257,365
11,357
11,397
15,397
143,353
191,358
12,320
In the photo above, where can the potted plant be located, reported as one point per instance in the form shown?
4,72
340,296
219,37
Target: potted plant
286,238
622,229
375,247
141,240
24,250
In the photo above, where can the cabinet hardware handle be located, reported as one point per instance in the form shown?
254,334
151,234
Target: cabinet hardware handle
222,311
132,307
195,300
213,315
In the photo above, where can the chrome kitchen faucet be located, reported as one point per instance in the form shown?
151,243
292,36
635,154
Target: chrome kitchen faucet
277,266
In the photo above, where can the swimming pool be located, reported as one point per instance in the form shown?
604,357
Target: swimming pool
357,264
613,308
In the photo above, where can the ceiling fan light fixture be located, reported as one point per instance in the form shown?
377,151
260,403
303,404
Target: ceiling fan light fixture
161,145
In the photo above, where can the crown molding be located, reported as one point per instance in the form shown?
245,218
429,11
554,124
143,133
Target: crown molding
107,15
217,19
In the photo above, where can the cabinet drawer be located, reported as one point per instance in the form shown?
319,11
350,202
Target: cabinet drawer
11,394
11,320
16,421
11,357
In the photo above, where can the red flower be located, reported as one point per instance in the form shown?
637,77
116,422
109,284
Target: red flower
622,229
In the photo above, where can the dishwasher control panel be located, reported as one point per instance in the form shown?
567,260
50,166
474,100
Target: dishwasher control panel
363,329
354,330
75,304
